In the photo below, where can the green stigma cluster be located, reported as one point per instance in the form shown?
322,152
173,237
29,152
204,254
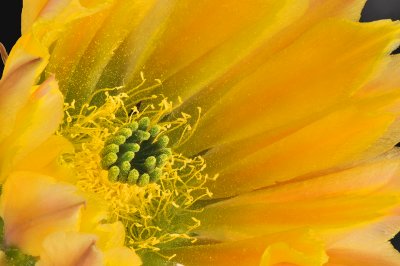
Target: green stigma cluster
135,154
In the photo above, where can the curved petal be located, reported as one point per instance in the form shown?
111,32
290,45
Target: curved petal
27,49
100,35
121,256
340,138
15,90
47,152
47,18
332,203
66,249
33,125
207,54
190,44
34,206
111,237
282,91
48,159
149,41
208,71
368,246
385,82
298,248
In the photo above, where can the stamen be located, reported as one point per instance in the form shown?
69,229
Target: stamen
136,153
162,213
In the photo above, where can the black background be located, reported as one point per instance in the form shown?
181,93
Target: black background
11,12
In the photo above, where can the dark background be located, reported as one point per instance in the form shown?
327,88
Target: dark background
11,12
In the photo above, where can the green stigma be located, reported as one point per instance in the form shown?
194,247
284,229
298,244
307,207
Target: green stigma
136,153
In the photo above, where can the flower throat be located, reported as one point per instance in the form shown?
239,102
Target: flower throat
125,157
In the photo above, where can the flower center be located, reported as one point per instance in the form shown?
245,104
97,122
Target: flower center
125,160
136,153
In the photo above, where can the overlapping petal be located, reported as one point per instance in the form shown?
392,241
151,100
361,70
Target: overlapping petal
328,203
15,91
367,246
283,90
110,236
33,206
116,50
298,247
99,36
66,249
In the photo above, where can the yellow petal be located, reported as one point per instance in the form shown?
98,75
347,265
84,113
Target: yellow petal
95,213
299,247
67,249
157,31
303,250
48,151
110,235
282,92
210,47
15,90
368,246
47,19
385,82
194,54
34,206
26,61
46,159
354,258
33,125
339,138
122,256
99,36
27,49
330,203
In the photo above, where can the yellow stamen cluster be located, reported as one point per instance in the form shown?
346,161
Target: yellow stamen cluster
155,214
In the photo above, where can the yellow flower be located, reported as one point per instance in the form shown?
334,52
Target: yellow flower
226,132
